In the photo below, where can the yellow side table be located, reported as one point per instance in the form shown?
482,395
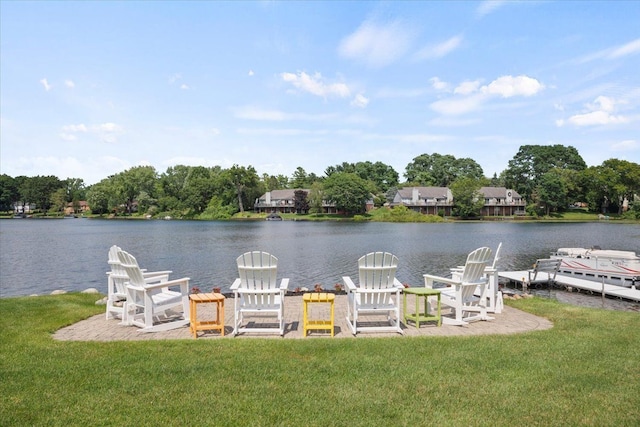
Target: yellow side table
206,325
317,297
417,316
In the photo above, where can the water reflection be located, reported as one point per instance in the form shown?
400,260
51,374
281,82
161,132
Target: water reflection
38,256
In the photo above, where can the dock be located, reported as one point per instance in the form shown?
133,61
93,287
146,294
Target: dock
568,281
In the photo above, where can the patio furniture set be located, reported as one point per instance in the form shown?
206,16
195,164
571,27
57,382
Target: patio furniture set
149,300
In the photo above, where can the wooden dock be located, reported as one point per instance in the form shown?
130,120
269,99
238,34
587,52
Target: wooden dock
574,282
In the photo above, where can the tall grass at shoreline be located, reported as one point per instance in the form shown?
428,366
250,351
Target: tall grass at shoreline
583,371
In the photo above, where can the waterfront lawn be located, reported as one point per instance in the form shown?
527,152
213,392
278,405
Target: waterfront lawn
584,371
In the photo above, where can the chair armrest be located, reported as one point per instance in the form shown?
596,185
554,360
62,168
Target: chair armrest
175,282
349,283
235,285
377,291
156,273
258,291
284,284
429,279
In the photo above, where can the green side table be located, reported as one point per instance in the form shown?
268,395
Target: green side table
418,316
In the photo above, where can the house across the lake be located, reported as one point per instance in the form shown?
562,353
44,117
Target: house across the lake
498,201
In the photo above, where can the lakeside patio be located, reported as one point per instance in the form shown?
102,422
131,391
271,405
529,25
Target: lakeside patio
97,328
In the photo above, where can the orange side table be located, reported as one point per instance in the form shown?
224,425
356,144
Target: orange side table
317,297
206,325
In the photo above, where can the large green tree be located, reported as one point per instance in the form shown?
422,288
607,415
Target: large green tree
8,192
241,182
347,191
132,182
381,175
38,190
552,191
441,170
531,162
467,199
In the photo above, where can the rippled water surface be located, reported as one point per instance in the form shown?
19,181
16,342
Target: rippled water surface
39,256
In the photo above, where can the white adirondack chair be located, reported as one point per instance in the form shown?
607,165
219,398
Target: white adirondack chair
378,291
149,299
257,293
494,296
117,280
460,296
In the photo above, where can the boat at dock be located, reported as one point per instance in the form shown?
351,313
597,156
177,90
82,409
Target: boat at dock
614,267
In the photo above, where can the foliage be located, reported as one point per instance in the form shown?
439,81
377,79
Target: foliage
401,214
552,191
441,170
38,190
468,201
243,183
348,191
527,167
381,175
217,210
316,196
300,201
581,372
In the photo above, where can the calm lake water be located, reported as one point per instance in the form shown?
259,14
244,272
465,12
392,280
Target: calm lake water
39,256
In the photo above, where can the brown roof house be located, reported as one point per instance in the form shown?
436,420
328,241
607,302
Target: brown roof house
501,201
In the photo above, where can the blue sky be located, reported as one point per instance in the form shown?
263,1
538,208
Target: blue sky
90,89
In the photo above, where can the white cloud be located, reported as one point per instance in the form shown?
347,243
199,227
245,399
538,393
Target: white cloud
596,118
626,49
439,50
184,87
508,86
467,87
602,103
488,6
45,84
627,145
470,96
439,84
598,113
457,105
614,52
360,101
74,128
315,85
251,73
255,113
70,84
377,45
106,131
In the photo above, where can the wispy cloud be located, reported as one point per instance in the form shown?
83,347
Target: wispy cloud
614,52
70,84
489,6
360,101
107,132
439,50
45,84
256,113
626,145
316,85
377,45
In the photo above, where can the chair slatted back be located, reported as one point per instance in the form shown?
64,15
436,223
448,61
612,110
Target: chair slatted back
496,258
377,270
118,274
475,265
258,271
130,264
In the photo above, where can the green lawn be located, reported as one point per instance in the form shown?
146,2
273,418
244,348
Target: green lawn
584,371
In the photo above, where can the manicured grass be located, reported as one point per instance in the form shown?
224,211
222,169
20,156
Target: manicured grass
584,371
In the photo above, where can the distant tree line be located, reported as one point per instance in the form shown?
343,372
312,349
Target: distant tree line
550,178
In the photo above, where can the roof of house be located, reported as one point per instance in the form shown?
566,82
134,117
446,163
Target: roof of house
497,192
424,192
282,194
